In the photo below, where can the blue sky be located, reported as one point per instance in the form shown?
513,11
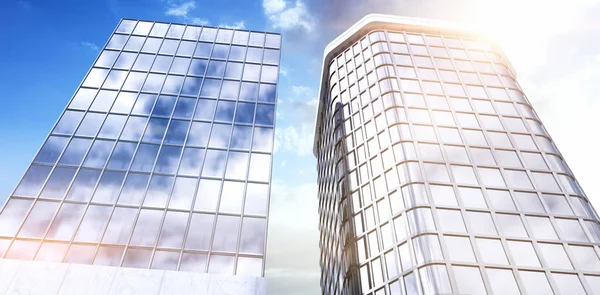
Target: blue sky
46,47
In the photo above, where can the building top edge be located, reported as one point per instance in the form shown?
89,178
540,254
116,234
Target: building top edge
199,26
383,21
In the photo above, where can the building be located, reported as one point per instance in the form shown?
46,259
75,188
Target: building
156,176
435,174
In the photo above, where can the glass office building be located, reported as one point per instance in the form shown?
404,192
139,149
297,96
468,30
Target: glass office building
435,174
161,160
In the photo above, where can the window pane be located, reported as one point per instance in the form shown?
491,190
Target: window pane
225,110
568,284
464,174
511,225
134,189
155,130
38,220
226,233
253,235
93,223
183,193
165,260
469,280
481,223
523,253
83,98
207,195
221,264
541,227
263,139
83,186
267,93
109,256
75,151
492,251
121,156
555,256
535,282
139,258
260,166
502,281
501,200
198,135
459,249
193,262
108,187
144,158
146,228
168,160
90,125
256,199
451,220
98,154
134,128
171,235
265,115
57,183
529,202
66,221
230,90
472,197
191,161
176,132
158,191
200,232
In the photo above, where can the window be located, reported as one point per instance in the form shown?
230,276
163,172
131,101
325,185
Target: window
541,227
491,177
459,249
492,251
523,254
451,220
511,225
502,281
555,256
535,282
469,280
464,174
481,223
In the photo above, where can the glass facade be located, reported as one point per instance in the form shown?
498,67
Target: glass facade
161,159
436,176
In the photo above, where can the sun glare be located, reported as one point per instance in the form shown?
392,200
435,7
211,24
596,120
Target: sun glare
524,28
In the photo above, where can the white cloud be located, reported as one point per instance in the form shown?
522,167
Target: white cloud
237,25
90,45
568,106
296,131
283,71
24,4
292,139
293,267
287,17
273,6
180,9
199,21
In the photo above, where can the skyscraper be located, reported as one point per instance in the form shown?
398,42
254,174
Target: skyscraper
157,171
435,174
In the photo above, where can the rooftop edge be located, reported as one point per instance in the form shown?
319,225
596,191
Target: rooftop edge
383,21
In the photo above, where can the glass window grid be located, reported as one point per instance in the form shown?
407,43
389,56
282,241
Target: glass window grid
324,156
114,204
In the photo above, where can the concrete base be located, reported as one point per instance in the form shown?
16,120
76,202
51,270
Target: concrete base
35,277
